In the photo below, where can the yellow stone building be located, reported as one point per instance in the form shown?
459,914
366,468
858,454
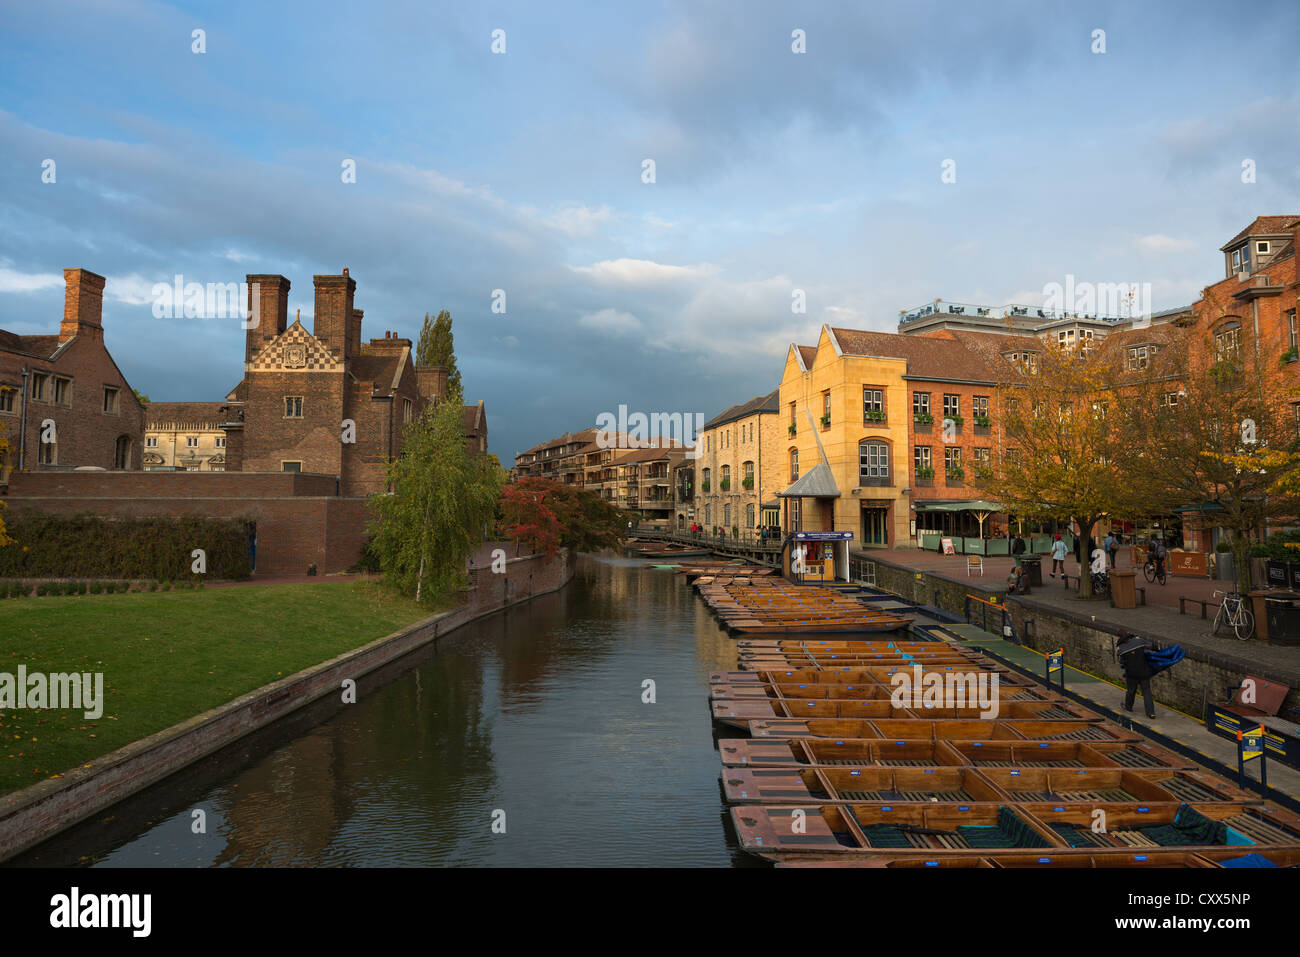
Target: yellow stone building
185,435
736,474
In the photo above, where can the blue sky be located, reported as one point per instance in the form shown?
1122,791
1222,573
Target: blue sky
521,171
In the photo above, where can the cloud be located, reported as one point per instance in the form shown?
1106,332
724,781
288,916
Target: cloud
12,280
641,272
611,320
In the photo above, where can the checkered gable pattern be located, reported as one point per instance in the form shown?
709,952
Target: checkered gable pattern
295,350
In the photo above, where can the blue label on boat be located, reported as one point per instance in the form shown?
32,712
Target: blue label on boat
1080,772
1015,774
964,807
1139,857
1058,809
1043,744
899,742
839,742
978,744
929,770
1044,860
1143,810
887,807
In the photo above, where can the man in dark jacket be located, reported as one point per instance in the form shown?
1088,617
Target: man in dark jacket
1017,549
1137,673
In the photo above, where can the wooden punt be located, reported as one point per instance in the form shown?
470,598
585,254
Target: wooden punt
1277,856
879,675
1138,825
739,712
828,752
1067,754
1007,833
888,830
914,729
806,786
869,691
1099,785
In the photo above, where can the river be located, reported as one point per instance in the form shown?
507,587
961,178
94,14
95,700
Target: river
520,740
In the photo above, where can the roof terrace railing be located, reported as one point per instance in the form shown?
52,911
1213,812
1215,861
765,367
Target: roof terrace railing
945,308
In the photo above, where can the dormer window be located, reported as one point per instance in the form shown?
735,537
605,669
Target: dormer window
1241,259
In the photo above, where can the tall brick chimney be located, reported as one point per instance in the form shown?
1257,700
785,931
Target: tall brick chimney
354,331
271,293
431,381
334,313
83,305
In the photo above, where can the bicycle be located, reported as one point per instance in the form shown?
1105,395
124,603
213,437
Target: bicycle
1234,613
1154,572
1100,584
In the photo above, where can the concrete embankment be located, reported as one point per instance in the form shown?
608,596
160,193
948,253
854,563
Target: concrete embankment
34,814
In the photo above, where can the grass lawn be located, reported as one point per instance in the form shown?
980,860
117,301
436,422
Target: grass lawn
171,655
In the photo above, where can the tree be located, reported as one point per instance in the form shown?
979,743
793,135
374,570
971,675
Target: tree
143,399
1226,449
437,348
1070,450
546,515
442,500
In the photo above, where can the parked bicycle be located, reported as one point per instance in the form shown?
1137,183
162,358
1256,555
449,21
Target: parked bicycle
1234,614
1100,584
1154,571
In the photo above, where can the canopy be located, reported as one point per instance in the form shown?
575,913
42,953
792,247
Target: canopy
817,482
980,506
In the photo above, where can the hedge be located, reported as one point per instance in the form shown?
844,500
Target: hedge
94,546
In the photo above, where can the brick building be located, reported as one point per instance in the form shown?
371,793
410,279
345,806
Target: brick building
324,401
67,389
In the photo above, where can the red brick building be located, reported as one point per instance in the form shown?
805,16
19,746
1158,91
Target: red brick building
324,401
67,390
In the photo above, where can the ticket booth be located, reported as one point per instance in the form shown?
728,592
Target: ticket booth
811,558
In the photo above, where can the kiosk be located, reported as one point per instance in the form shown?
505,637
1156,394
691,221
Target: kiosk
815,557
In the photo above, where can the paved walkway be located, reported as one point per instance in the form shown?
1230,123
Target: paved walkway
1183,728
1158,619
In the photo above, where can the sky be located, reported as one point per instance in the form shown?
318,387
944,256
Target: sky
1114,157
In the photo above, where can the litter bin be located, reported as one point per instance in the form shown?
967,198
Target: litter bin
1122,589
1283,621
1034,566
1259,605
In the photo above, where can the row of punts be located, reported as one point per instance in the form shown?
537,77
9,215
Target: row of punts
772,606
839,769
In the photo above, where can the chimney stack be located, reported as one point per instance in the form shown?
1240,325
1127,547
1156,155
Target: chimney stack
354,332
268,294
83,305
334,313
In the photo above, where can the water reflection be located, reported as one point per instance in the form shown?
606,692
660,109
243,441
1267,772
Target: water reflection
534,714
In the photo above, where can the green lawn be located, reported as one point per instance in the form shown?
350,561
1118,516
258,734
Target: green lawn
169,656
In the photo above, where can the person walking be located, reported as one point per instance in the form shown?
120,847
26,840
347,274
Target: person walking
1112,546
1137,672
1017,549
1158,554
1058,555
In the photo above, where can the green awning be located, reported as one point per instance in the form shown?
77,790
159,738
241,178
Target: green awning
979,506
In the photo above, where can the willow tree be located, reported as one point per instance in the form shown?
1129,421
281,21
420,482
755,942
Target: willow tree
1226,448
443,498
1069,446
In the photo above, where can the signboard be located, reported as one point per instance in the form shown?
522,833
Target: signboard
947,547
1252,743
1054,661
1188,563
823,536
1225,721
1277,575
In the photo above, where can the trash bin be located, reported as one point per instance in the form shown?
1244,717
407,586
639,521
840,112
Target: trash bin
1122,588
1259,605
1283,620
1034,566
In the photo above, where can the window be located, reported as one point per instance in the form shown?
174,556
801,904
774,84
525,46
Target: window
62,391
1292,341
726,516
151,442
873,463
749,515
951,406
221,442
191,441
708,516
749,475
7,394
726,479
293,407
110,400
1169,400
40,387
1065,338
826,410
708,443
920,403
122,452
1028,361
291,466
873,404
793,423
796,516
794,464
1261,247
407,408
922,460
981,458
1138,358
707,475
952,458
980,407
1227,342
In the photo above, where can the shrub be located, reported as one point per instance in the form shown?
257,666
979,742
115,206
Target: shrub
153,586
94,588
94,546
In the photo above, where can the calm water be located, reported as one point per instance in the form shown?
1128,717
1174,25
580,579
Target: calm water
536,711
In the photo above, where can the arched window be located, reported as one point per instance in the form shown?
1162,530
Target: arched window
705,481
122,452
748,480
726,479
873,463
749,515
794,464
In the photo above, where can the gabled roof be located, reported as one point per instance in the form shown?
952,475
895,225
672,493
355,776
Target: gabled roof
808,354
817,482
762,404
1264,226
192,414
42,347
